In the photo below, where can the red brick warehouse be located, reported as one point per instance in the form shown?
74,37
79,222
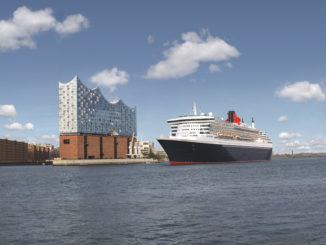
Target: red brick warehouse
94,146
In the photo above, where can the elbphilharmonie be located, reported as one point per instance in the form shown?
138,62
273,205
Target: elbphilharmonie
92,127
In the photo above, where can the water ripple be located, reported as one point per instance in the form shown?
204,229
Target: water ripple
279,202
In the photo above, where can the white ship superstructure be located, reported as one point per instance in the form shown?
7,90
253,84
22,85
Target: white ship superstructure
205,127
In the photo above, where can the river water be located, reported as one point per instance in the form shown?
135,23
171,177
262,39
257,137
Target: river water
278,202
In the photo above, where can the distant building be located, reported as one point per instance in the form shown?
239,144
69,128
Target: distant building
90,126
146,147
48,146
141,148
86,111
12,151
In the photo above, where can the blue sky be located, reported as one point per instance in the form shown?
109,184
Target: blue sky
263,59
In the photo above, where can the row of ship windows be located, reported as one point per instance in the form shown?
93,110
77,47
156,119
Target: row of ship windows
199,128
191,125
190,134
193,129
233,131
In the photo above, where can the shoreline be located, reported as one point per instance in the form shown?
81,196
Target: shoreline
25,163
94,162
299,155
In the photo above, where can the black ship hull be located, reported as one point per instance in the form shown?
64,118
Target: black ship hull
187,152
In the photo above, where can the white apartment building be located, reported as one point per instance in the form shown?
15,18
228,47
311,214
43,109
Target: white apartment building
145,146
140,148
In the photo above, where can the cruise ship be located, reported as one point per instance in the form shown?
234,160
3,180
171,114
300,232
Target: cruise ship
203,138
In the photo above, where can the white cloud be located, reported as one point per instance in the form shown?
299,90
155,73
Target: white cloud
47,139
110,78
317,145
184,58
302,92
285,135
282,119
44,139
14,137
19,127
228,64
7,111
214,68
150,39
72,24
292,144
18,31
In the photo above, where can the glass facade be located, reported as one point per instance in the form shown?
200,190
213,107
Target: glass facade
86,111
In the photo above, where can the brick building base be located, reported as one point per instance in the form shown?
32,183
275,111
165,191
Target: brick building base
94,146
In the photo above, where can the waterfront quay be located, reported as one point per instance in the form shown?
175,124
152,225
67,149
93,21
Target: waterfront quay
94,162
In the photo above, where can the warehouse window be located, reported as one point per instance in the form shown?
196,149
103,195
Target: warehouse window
66,141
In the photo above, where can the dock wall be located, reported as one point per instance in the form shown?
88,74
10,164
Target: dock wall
83,162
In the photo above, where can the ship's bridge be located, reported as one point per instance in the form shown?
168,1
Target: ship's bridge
192,125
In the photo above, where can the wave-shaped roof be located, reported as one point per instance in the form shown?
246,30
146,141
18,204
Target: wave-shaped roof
96,89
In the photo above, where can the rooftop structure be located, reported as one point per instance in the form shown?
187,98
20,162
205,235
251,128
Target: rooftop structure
86,111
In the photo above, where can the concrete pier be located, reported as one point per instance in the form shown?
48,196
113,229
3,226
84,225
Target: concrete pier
85,162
